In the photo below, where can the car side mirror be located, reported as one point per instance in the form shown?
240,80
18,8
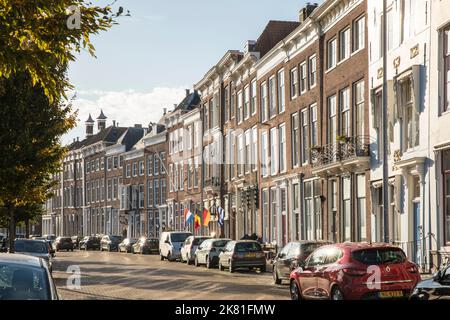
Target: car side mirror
438,276
282,255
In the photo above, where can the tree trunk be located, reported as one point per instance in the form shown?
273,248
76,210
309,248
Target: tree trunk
27,228
12,228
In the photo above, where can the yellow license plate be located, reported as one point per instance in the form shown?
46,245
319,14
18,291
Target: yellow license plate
250,255
391,294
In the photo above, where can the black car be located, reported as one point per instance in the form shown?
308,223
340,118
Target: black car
110,243
293,255
90,243
437,288
63,243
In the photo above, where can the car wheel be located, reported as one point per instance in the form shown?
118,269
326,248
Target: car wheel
161,257
188,261
276,279
220,267
337,294
208,263
230,268
196,262
169,258
109,248
262,269
295,292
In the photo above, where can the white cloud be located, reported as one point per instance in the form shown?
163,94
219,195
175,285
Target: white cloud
127,107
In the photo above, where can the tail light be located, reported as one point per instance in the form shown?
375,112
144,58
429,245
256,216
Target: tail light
354,272
412,269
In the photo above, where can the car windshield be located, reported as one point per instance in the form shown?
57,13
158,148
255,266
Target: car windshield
116,238
31,246
220,243
18,282
308,248
179,237
379,256
198,241
247,246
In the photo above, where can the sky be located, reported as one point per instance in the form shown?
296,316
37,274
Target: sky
145,63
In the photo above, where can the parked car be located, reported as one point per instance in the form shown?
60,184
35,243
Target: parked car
170,244
35,248
90,243
355,271
437,288
242,254
292,256
127,245
25,278
208,252
110,243
76,241
63,243
189,247
146,246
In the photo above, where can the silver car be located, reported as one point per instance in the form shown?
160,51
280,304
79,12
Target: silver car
25,277
190,246
35,248
208,252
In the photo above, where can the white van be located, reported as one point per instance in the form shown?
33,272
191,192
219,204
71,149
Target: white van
170,244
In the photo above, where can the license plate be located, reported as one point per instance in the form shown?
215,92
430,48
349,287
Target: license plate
250,255
391,294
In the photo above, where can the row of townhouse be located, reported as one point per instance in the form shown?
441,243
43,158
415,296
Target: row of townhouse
286,137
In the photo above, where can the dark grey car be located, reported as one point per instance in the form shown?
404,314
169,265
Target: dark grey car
292,256
242,254
437,288
35,248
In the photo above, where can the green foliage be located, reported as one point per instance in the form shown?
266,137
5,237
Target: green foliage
37,38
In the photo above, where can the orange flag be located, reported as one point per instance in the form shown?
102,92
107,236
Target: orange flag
206,217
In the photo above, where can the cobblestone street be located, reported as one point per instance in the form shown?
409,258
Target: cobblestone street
127,276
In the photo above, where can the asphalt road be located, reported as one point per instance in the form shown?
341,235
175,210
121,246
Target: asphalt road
120,276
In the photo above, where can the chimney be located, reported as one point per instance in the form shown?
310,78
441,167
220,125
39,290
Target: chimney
164,111
114,123
306,11
89,127
249,46
101,121
78,139
188,92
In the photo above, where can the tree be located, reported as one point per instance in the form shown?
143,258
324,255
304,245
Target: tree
38,37
29,144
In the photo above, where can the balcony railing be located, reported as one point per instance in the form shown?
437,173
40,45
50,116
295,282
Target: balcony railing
345,149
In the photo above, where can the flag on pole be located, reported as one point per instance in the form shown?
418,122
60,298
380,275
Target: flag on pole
221,219
188,216
197,221
206,217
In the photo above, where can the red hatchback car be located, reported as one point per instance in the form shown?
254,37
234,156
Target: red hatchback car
355,271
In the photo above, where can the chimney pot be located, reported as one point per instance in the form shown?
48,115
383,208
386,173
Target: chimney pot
188,92
164,111
114,123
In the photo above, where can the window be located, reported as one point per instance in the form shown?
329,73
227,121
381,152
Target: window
156,192
358,91
331,53
264,154
281,92
446,65
377,121
390,30
163,191
128,170
141,196
265,214
102,163
240,154
295,142
246,102
332,120
150,165
141,168
181,176
254,148
272,97
149,193
248,150
274,155
232,102
171,177
293,83
115,162
253,98
361,206
303,78
446,167
305,137
134,169
359,34
156,165
273,213
109,164
344,44
410,123
197,137
115,188
263,102
205,118
120,161
216,110
109,189
346,208
314,126
344,100
162,156
196,173
226,94
312,71
282,134
239,108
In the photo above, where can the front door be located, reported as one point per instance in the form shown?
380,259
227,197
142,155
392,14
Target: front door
417,248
